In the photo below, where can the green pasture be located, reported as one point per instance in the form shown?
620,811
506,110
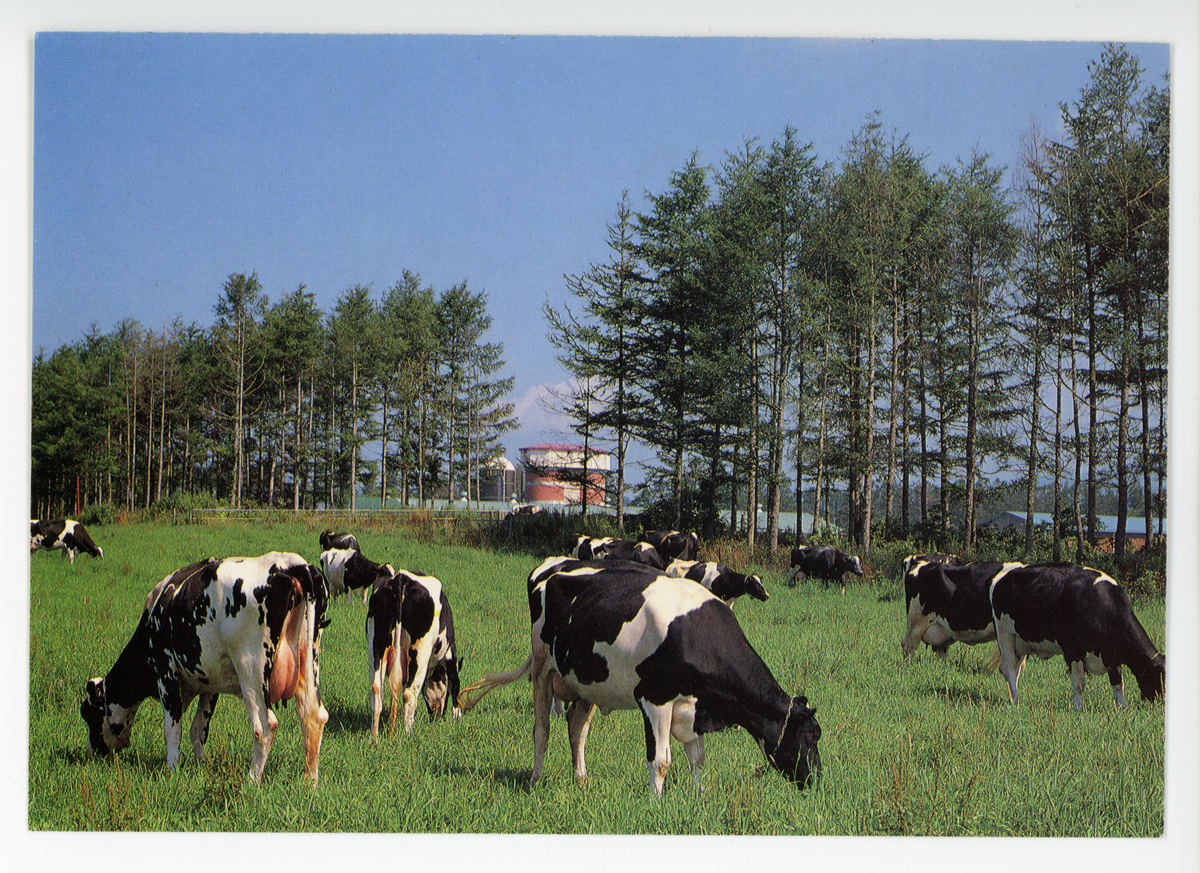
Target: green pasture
924,747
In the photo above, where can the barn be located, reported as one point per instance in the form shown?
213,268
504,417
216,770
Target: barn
553,474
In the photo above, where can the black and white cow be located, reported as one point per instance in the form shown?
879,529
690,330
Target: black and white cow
720,580
613,636
246,626
1079,613
524,509
932,558
611,549
331,540
672,545
349,570
410,646
947,602
823,562
67,535
590,548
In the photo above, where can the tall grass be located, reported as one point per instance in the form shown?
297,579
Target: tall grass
923,747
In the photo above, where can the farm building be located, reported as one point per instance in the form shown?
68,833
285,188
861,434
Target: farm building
498,480
1106,525
554,474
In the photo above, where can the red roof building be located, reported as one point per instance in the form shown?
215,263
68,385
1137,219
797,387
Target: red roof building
554,474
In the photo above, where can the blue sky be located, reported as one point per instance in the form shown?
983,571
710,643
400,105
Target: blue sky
165,162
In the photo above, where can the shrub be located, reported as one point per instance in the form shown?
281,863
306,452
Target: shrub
97,514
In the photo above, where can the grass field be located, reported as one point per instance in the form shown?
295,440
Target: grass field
924,747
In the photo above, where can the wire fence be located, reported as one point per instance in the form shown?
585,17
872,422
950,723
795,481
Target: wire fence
209,516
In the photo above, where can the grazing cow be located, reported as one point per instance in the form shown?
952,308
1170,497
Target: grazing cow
610,549
1079,613
673,545
932,558
590,548
410,645
348,570
948,602
720,580
331,540
524,509
67,535
614,636
825,563
247,626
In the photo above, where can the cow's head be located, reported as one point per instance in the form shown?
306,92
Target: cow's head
855,565
1152,681
754,587
796,755
109,725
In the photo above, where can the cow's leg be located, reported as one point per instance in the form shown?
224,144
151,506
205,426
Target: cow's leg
396,678
683,718
579,721
262,723
657,721
1011,661
1118,687
416,669
1078,678
377,673
453,684
310,711
174,701
200,722
919,627
542,691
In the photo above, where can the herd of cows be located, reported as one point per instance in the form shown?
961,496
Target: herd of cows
616,624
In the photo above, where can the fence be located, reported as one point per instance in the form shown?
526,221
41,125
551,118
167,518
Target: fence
445,514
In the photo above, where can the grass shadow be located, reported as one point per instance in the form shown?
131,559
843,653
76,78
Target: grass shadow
958,694
513,780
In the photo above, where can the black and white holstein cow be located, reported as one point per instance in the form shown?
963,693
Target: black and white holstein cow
349,570
614,636
672,545
331,540
1079,613
948,602
67,535
246,626
410,646
720,580
610,549
823,562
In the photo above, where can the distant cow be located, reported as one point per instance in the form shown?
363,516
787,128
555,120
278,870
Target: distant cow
246,626
948,602
331,540
931,558
1079,613
590,548
349,570
614,636
524,509
67,535
608,548
825,563
720,580
410,646
673,545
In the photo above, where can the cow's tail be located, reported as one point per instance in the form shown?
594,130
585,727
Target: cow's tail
475,692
